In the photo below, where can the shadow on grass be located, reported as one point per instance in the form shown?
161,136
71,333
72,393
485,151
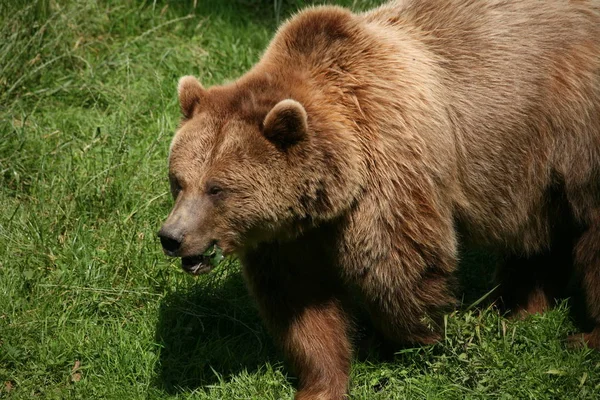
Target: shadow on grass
210,332
475,276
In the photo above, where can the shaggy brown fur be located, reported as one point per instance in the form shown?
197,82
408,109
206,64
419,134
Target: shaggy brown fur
411,126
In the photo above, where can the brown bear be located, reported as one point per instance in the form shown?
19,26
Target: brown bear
358,152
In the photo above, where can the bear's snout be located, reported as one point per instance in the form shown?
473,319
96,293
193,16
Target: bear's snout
170,241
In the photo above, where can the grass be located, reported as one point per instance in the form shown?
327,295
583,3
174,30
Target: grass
89,306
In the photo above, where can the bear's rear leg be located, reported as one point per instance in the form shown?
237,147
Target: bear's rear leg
587,264
530,285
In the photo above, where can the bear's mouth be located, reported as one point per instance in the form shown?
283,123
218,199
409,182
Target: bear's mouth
202,263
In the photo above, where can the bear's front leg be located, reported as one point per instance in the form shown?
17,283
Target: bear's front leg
305,315
316,343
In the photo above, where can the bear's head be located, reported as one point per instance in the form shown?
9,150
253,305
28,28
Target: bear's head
247,166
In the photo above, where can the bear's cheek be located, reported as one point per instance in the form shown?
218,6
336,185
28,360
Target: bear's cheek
223,230
231,234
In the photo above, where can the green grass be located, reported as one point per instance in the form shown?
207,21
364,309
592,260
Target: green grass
90,308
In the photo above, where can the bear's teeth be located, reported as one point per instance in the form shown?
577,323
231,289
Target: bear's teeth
195,265
204,263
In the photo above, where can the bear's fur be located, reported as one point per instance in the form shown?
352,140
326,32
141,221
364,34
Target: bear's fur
362,147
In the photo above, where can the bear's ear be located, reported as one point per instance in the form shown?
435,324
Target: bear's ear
286,124
191,93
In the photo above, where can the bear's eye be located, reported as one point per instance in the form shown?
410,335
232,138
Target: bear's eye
175,186
213,189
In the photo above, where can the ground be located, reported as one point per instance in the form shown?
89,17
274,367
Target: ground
89,305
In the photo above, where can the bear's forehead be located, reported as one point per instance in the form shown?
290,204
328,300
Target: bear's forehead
207,139
193,137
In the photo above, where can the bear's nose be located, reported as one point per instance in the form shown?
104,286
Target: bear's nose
170,241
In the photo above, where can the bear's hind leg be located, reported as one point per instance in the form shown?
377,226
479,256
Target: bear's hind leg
530,285
587,264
